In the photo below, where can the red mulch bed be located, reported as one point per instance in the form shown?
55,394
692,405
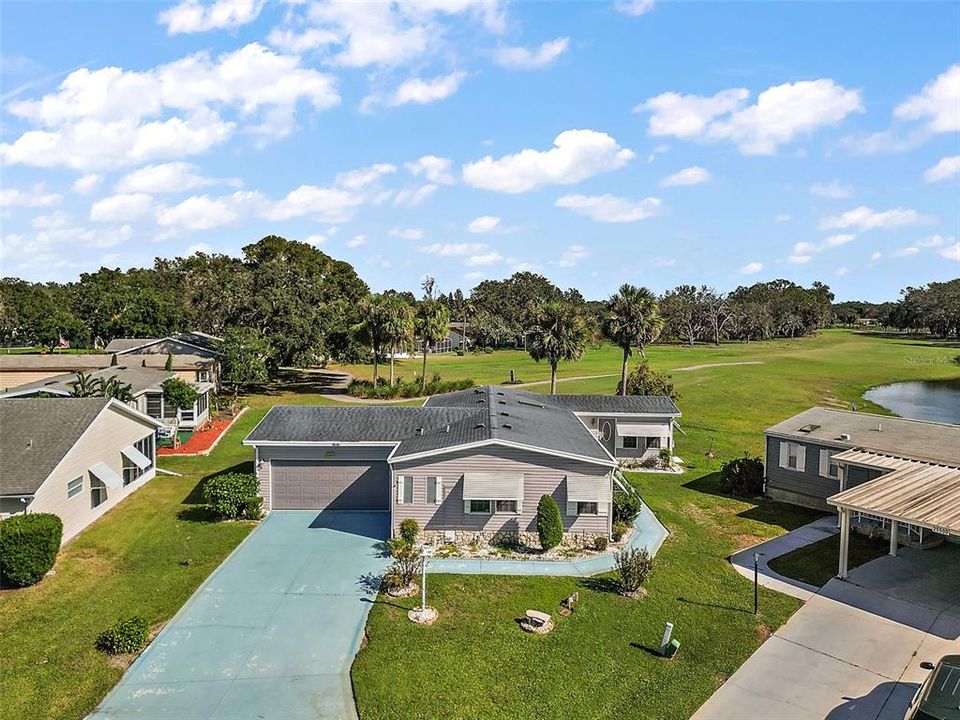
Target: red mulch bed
200,441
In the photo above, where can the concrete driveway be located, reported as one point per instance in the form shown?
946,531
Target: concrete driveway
272,632
853,651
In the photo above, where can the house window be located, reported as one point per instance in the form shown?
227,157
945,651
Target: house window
434,490
98,493
629,443
145,446
793,456
653,442
506,506
480,506
75,487
587,508
130,470
154,404
404,489
203,376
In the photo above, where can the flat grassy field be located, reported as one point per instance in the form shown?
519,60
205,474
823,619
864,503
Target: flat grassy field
816,564
475,663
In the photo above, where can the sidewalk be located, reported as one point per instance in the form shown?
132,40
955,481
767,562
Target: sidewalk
808,534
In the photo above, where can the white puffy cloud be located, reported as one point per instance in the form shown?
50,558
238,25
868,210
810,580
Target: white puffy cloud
937,104
934,241
315,240
905,251
407,233
192,16
86,184
322,204
751,268
365,176
122,208
832,190
490,257
416,196
435,169
951,252
634,7
610,208
573,255
866,218
575,156
298,42
454,249
798,259
688,176
202,212
805,249
112,117
947,169
53,238
484,224
521,58
201,247
357,241
781,114
418,91
165,178
782,217
14,197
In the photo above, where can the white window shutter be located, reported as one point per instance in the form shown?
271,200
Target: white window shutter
400,489
438,491
571,508
784,453
466,506
519,506
602,509
824,462
801,458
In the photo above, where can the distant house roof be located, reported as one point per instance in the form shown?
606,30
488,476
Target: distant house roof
122,344
913,439
198,340
139,378
445,422
67,362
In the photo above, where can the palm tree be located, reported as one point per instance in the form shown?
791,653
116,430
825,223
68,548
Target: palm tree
633,319
398,328
371,330
431,325
85,386
112,387
561,334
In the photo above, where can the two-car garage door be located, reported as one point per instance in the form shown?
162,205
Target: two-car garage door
330,485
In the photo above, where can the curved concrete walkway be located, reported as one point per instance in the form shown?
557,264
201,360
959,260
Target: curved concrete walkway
648,532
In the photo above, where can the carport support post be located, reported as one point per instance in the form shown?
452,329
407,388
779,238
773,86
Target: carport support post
894,531
844,543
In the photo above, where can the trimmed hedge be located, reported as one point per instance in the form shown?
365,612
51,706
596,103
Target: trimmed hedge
28,547
549,523
406,389
124,636
229,495
742,477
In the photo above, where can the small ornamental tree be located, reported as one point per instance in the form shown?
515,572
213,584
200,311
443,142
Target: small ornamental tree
28,547
124,636
113,359
407,564
633,565
168,365
179,395
643,380
742,477
409,530
245,359
549,523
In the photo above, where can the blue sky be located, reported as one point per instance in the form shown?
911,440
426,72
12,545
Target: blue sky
597,143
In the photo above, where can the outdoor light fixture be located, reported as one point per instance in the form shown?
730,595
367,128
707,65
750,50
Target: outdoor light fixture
756,578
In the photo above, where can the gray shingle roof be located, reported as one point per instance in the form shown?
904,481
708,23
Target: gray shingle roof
139,379
121,344
88,361
37,433
456,419
914,439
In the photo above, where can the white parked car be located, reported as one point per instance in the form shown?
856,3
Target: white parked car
939,696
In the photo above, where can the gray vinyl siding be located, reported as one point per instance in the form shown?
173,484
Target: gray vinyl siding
805,488
542,475
306,452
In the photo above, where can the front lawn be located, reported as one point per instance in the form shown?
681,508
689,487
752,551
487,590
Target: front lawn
816,564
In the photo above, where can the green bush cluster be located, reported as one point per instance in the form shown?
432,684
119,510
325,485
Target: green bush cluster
633,566
549,523
407,563
28,547
600,543
409,530
233,495
626,507
124,636
742,477
406,389
620,529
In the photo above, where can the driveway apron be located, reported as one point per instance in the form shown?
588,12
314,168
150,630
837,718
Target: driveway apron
272,632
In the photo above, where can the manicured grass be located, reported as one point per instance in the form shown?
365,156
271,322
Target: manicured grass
475,663
816,564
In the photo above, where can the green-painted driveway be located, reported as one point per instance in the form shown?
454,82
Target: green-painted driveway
271,633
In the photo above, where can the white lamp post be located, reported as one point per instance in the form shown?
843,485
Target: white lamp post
423,615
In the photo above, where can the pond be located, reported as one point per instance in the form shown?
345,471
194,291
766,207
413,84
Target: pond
937,400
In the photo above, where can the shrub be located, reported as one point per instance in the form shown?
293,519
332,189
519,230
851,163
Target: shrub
600,543
409,529
459,353
488,350
407,564
742,477
227,494
28,547
646,381
549,523
633,566
665,457
253,507
620,529
124,636
626,507
405,389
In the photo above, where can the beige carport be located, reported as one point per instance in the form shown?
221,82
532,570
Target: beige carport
914,493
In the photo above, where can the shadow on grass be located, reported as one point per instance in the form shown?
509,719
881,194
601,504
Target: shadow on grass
305,382
649,650
197,513
601,584
379,601
716,606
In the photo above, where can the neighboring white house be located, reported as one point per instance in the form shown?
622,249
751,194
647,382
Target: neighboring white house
145,386
73,457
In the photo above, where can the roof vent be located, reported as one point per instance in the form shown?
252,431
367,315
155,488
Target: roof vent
446,429
845,436
508,426
530,403
505,413
419,431
809,428
480,425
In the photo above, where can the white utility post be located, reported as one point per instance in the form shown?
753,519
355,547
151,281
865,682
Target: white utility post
894,531
667,632
844,543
